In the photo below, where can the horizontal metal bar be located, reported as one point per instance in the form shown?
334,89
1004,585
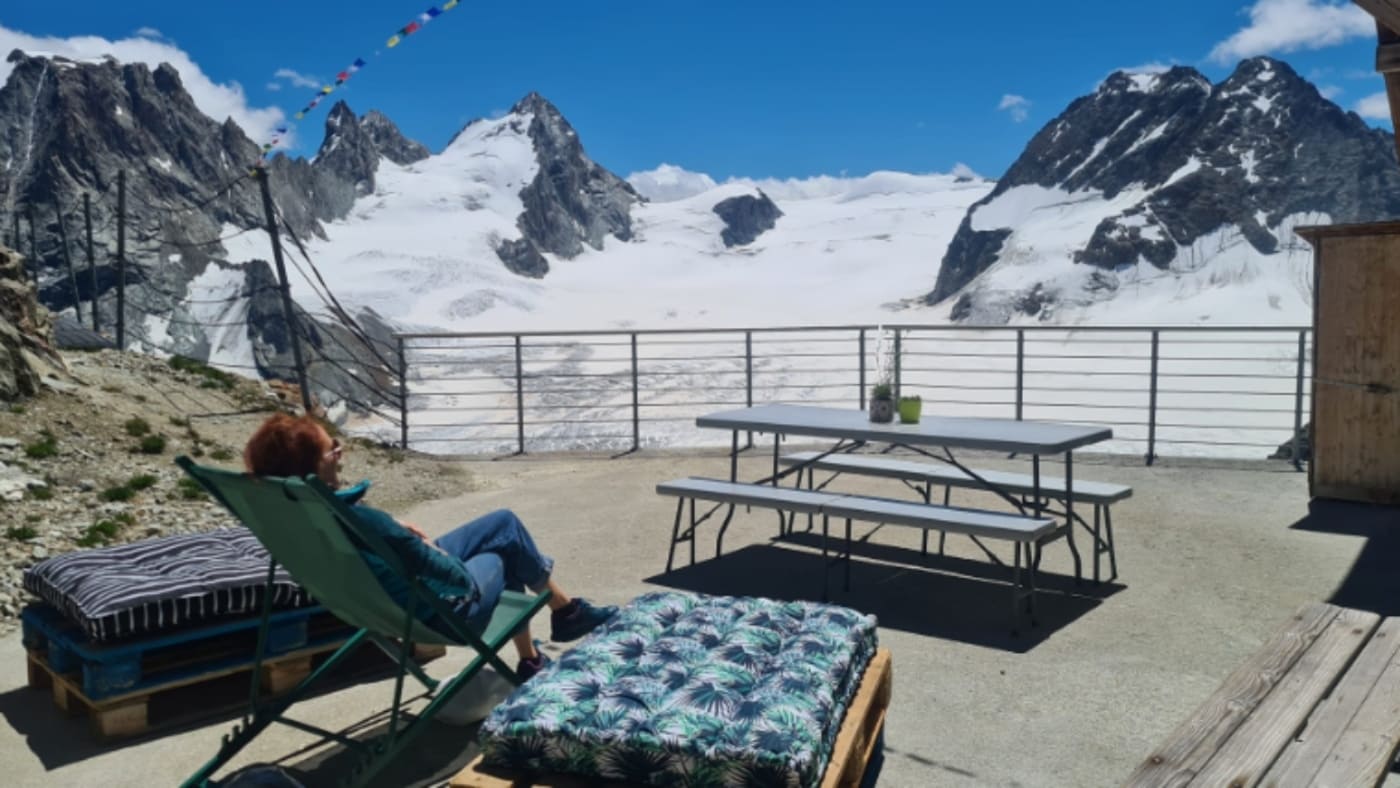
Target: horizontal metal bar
1288,430
902,327
1223,443
1214,409
931,354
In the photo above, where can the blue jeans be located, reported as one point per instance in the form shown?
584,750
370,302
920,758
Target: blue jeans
499,555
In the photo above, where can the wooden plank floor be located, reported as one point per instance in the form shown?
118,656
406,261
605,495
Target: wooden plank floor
1318,705
854,747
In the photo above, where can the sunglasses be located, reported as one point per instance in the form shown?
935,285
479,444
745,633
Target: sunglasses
336,450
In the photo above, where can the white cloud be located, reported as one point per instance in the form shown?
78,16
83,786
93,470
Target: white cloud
1017,106
668,183
148,32
1290,25
218,100
1155,67
296,78
1374,107
961,170
273,86
1330,91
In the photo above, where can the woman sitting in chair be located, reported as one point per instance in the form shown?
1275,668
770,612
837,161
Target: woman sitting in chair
473,563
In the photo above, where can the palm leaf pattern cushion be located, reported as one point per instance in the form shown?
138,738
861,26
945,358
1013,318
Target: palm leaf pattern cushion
688,690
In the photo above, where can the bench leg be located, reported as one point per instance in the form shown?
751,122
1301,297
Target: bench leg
811,484
675,534
826,564
848,554
1112,548
1016,592
943,535
1098,544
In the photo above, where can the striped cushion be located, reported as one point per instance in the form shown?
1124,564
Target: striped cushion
158,584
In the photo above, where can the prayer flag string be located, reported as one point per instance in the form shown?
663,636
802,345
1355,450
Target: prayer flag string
343,76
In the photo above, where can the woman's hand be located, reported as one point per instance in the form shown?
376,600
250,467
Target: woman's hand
418,532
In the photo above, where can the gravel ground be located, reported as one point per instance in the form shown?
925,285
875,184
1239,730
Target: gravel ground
69,495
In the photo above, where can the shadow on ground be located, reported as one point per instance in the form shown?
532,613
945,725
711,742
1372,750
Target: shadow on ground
1373,583
432,759
939,596
58,740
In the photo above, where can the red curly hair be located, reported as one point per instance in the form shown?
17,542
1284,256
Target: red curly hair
284,446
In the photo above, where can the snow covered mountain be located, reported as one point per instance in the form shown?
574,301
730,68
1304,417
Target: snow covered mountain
1160,198
1163,197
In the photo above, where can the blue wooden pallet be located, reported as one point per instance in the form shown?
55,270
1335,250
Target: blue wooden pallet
149,663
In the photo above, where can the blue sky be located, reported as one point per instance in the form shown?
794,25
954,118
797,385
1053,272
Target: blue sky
756,88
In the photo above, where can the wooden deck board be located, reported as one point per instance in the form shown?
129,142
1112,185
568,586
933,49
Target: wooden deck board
1190,747
1243,759
1302,758
1367,748
854,747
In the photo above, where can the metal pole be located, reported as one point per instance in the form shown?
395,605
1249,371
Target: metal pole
403,397
67,259
897,354
519,397
121,260
636,400
748,376
1020,372
862,369
1152,404
287,308
92,260
1298,403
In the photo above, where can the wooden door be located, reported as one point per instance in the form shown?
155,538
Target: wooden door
1356,372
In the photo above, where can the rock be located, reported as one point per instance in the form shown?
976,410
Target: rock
9,443
746,217
39,552
87,485
1197,157
571,201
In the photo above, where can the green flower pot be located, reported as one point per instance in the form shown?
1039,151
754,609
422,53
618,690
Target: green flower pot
909,410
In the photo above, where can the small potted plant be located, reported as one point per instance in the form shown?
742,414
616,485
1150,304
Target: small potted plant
910,408
882,403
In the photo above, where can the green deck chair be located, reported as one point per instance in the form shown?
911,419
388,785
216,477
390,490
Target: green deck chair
305,529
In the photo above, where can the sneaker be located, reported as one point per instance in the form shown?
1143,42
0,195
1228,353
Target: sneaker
578,619
527,668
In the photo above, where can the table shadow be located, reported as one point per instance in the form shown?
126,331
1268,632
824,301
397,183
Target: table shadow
948,598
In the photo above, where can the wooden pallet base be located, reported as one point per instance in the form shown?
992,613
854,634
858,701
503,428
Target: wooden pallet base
208,695
854,748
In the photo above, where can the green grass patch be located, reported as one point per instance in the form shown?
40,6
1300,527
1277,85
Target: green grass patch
99,533
213,378
151,444
221,454
179,421
137,426
190,489
18,410
142,481
20,533
41,493
119,493
43,448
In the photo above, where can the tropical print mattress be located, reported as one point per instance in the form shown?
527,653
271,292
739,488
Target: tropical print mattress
688,690
160,584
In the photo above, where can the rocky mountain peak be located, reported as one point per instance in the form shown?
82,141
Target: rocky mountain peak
1171,159
389,141
572,201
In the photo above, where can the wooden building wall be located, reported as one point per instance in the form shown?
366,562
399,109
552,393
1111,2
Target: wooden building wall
1356,362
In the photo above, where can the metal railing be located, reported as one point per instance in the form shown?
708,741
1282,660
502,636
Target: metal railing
1216,391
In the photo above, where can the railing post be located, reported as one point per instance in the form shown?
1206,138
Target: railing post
748,377
1020,371
1152,404
862,369
403,397
897,354
519,398
1298,403
636,400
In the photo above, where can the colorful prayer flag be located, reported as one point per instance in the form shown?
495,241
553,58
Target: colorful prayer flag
449,5
394,41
